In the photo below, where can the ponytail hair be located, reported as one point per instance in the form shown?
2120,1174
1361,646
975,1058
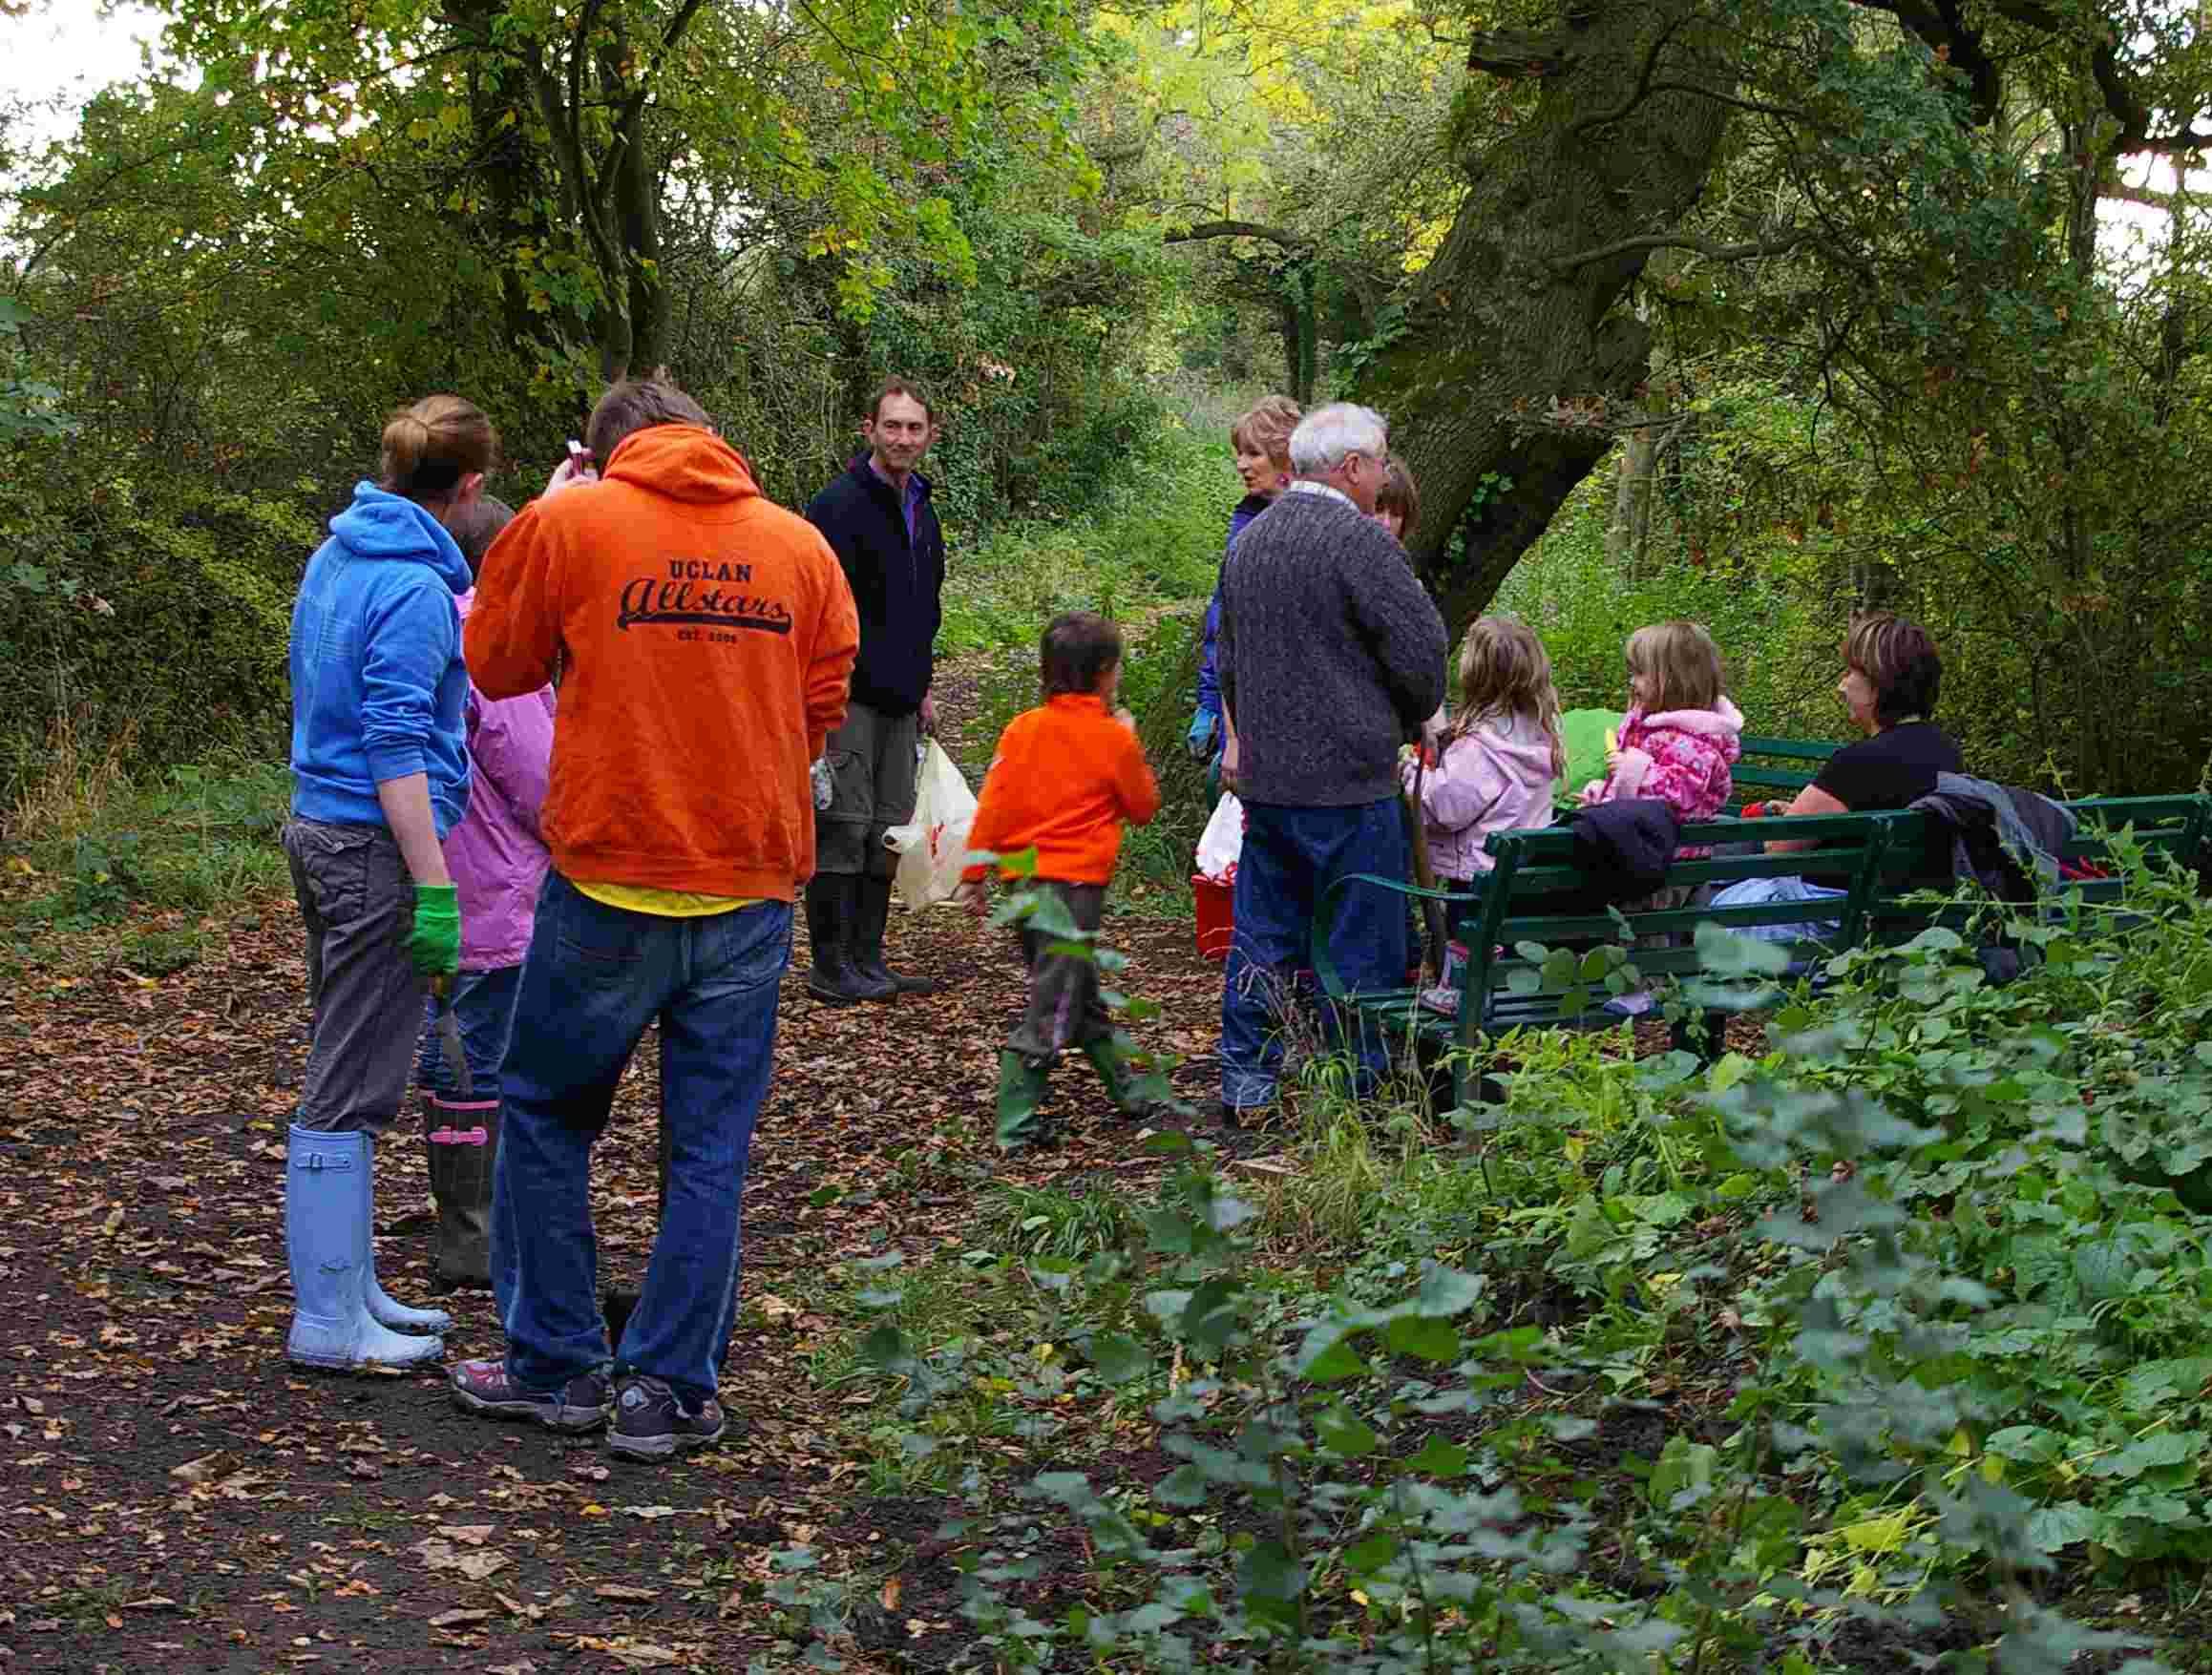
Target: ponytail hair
429,446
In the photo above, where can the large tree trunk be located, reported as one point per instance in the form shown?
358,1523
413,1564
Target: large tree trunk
1517,312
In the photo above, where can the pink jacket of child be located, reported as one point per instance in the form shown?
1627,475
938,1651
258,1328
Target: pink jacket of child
1681,756
496,856
1494,778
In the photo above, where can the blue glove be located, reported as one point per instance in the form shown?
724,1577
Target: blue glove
1199,739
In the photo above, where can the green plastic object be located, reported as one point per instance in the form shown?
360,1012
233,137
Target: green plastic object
1584,731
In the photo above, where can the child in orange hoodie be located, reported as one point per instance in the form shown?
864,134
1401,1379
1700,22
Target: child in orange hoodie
1065,776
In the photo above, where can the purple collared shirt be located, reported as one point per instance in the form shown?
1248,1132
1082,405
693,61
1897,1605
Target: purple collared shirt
913,497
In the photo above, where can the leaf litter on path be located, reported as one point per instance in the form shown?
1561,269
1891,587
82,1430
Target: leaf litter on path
159,1448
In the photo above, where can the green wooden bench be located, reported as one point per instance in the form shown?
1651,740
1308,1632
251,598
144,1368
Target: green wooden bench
1777,765
1528,899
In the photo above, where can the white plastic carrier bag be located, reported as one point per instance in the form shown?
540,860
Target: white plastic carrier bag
933,845
1222,842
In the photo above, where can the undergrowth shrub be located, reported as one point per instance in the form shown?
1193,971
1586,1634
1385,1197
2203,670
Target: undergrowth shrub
1905,1313
1151,536
171,638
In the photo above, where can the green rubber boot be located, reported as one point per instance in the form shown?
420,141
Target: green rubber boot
1020,1086
1110,1058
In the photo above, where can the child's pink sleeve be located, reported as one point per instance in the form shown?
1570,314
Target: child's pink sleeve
1462,788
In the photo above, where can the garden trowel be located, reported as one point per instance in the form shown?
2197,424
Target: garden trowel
448,1029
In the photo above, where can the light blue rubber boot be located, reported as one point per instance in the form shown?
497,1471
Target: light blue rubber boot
381,1308
327,1238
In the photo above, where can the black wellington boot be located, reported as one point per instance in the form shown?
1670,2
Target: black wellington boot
832,905
868,941
463,1144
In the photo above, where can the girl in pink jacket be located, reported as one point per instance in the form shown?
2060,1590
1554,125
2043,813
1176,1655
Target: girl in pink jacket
1681,736
1502,755
499,861
1678,744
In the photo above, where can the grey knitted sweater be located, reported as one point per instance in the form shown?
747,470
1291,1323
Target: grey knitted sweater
1331,654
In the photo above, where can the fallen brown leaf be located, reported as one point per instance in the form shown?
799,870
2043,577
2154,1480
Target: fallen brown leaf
204,1469
631,1654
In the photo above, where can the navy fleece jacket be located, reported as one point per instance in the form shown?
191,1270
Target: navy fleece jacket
377,679
897,583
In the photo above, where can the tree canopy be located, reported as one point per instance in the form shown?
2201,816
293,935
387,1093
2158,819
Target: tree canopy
1822,280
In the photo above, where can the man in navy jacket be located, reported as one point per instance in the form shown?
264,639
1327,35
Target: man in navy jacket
878,518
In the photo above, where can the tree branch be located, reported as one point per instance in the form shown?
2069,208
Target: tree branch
1637,94
1775,245
1520,54
2150,198
670,36
1289,241
575,48
1941,25
1754,106
2172,145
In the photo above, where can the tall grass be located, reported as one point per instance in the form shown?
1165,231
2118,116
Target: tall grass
1152,539
98,867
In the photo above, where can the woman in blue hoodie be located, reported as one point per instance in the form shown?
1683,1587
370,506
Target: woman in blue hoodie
380,774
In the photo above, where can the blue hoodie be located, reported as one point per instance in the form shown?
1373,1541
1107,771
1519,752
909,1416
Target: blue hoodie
1209,680
377,679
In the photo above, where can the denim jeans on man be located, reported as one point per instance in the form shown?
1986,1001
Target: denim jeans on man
595,977
1291,856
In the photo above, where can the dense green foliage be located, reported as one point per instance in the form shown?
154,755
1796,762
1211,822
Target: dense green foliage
1884,1338
310,216
1897,350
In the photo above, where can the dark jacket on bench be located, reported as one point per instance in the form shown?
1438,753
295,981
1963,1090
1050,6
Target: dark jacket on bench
1625,848
2004,838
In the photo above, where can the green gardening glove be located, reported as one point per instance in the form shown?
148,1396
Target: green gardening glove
433,941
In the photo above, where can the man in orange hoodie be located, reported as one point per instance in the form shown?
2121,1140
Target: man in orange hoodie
705,637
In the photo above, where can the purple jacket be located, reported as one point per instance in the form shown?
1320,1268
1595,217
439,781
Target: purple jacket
496,856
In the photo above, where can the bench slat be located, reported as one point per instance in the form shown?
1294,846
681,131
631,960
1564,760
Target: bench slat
1879,852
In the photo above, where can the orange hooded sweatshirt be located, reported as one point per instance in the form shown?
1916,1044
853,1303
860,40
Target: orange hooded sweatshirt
1065,776
706,636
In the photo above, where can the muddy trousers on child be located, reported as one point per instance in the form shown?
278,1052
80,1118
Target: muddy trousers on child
1065,1010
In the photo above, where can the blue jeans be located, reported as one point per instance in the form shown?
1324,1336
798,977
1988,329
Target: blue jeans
1756,892
483,1006
595,977
1292,855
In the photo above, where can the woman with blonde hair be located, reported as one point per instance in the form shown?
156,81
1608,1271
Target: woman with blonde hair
380,774
1261,440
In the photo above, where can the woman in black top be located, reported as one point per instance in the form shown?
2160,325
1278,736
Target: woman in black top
1891,675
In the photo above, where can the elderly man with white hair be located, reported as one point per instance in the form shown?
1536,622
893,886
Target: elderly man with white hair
1331,656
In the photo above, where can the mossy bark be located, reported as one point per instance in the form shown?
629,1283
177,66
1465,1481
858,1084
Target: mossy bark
1519,353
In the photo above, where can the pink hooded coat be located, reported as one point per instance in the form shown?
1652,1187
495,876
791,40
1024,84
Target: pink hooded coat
497,854
1681,756
1493,779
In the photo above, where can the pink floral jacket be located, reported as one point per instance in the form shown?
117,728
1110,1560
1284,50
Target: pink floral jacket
1681,756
